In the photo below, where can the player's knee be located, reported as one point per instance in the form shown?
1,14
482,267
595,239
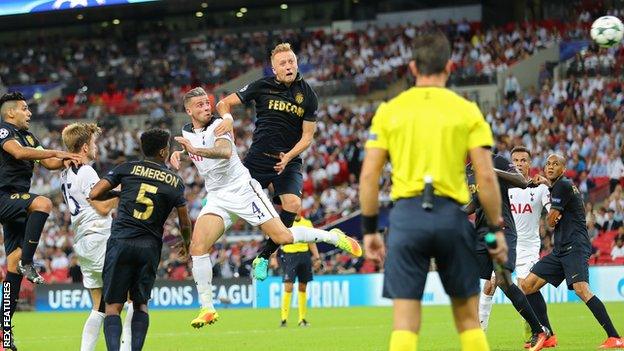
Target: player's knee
41,204
302,287
288,287
291,203
582,291
283,237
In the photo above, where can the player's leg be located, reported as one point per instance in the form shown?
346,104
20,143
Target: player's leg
38,212
485,302
146,258
286,298
304,276
208,229
302,304
527,258
93,324
547,270
291,204
576,270
126,332
459,268
117,276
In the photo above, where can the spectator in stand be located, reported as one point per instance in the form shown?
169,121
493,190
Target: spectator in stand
615,169
611,223
512,87
618,249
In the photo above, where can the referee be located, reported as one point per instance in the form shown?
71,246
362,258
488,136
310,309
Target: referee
427,132
285,124
297,260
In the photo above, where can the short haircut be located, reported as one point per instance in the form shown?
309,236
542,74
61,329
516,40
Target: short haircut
9,99
195,92
281,47
153,141
431,51
77,134
520,149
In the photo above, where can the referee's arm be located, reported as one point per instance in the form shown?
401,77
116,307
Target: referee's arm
372,167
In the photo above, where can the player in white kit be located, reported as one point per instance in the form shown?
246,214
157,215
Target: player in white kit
91,223
231,193
527,206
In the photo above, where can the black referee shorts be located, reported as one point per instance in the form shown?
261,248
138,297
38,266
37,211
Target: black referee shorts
486,267
573,266
416,235
130,267
297,265
13,215
290,181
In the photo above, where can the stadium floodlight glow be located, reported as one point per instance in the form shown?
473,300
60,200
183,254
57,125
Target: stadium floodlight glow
204,5
80,16
116,21
199,14
239,14
284,6
243,10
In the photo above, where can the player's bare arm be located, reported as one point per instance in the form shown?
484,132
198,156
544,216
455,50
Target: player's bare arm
553,217
103,208
101,190
309,128
489,197
374,162
51,159
224,108
515,179
221,149
186,228
175,159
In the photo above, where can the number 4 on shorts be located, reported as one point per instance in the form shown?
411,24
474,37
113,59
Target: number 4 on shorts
256,210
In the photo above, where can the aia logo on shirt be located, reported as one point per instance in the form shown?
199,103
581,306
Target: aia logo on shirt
196,157
521,208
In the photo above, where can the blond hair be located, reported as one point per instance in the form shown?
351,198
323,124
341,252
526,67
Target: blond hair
77,134
281,47
195,92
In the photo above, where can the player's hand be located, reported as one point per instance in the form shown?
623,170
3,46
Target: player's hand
374,248
540,179
317,264
74,159
281,165
186,144
182,250
225,127
499,254
175,159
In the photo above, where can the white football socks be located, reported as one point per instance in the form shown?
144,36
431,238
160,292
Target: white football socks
313,235
202,273
91,330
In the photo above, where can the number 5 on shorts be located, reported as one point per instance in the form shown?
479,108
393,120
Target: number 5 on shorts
142,199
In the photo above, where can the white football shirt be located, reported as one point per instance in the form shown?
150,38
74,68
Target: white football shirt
217,173
526,209
76,186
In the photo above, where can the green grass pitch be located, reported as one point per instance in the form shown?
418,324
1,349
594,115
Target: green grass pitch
355,328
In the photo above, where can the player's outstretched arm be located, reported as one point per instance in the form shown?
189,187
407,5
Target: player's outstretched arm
224,108
101,191
374,162
222,148
515,179
308,130
103,208
552,218
51,159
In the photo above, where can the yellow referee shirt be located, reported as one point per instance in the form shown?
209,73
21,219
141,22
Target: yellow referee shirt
428,131
298,247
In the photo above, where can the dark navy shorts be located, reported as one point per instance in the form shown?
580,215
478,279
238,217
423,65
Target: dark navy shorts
572,266
486,267
290,181
13,214
297,265
130,268
416,236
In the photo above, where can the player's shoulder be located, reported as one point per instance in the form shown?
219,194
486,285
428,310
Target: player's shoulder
543,188
563,183
188,128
